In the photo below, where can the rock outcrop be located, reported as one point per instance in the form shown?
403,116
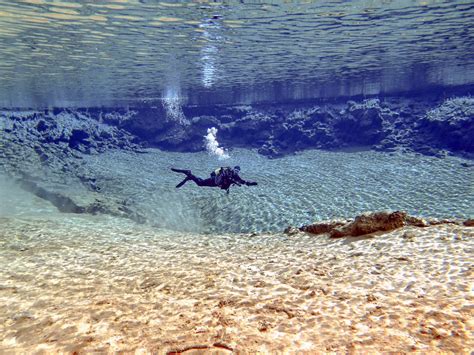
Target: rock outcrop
369,223
68,130
362,123
426,125
43,152
450,125
323,226
469,222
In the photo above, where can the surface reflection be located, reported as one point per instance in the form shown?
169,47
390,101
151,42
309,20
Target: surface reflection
101,53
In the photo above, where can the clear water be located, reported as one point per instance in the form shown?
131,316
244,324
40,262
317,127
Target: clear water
196,273
295,190
105,284
66,53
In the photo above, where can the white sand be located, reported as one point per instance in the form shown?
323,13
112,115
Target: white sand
83,283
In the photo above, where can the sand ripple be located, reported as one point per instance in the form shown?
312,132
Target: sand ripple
95,284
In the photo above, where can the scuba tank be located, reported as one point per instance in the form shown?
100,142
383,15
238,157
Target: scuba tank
221,174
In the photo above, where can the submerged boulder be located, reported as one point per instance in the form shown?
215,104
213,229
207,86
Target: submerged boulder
323,227
368,223
469,222
371,223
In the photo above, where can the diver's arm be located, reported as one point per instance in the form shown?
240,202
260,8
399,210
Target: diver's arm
238,180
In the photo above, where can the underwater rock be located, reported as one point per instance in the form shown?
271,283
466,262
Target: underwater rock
361,123
145,123
62,203
386,144
290,230
252,130
415,221
409,236
279,130
79,130
420,124
79,137
364,224
116,117
275,130
68,204
450,125
43,154
178,138
42,126
204,121
370,223
270,151
469,222
323,227
436,221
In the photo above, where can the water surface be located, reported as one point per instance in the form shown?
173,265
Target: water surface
100,53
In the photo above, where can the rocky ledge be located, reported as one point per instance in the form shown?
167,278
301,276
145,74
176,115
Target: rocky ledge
428,125
371,222
44,153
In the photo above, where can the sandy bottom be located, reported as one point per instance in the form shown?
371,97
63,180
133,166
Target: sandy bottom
84,283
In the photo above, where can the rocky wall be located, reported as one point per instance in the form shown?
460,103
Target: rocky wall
432,127
425,125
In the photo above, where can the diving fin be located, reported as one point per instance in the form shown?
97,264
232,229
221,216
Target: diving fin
187,172
183,182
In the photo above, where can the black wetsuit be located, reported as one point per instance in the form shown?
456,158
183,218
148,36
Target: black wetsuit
223,179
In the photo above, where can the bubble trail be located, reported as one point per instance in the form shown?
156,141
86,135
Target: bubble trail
212,145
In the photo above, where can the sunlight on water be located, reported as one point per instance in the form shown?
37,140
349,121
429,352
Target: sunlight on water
172,97
172,103
210,53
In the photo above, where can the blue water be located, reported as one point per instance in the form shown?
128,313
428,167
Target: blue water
172,55
295,190
199,272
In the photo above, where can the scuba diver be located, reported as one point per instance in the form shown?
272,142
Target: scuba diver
224,177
